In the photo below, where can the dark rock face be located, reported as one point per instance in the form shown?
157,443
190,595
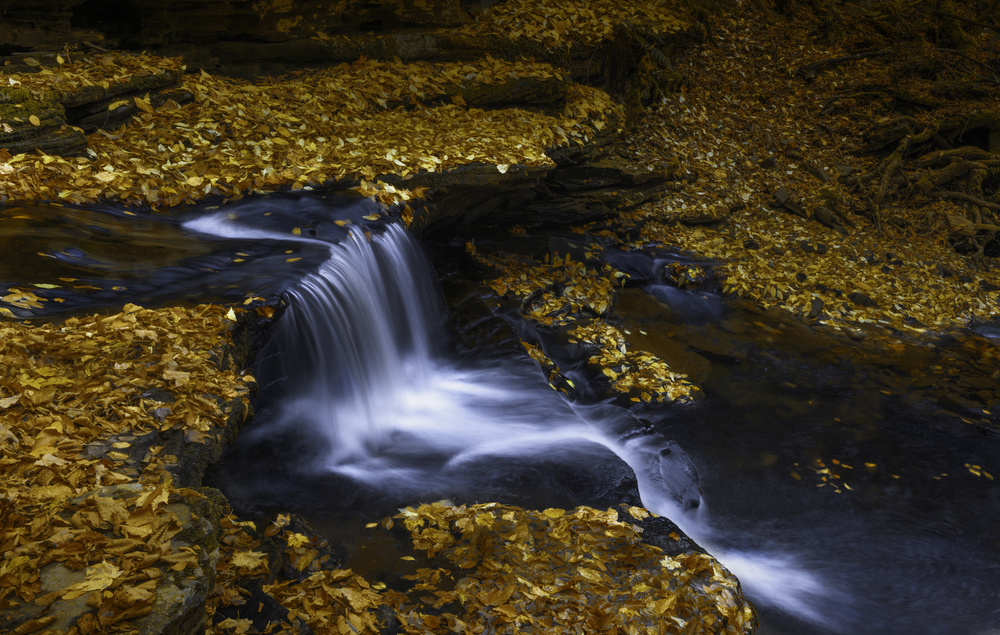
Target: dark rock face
41,24
476,196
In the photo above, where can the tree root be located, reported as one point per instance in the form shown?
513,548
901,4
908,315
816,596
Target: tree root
961,196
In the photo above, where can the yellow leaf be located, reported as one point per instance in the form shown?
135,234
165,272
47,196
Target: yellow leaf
248,559
590,574
507,611
177,376
195,181
143,105
35,121
99,577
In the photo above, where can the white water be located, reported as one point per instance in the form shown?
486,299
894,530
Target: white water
360,368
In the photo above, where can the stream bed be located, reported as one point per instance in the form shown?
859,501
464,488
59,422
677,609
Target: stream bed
843,499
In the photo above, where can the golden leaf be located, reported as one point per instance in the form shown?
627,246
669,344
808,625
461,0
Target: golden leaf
507,611
248,559
99,577
144,105
35,121
177,376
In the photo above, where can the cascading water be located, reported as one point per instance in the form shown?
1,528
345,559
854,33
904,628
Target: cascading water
353,337
385,417
358,368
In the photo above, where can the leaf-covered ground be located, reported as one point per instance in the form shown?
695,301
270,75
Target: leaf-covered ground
345,123
76,401
753,124
492,568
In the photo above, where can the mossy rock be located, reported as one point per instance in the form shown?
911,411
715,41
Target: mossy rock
137,84
28,124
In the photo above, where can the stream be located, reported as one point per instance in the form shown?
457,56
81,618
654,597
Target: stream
841,505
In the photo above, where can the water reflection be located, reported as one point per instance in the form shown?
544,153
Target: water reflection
81,259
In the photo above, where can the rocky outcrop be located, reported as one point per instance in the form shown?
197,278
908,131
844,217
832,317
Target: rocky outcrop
126,552
53,120
28,124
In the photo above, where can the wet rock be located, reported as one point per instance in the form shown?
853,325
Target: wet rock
829,219
685,275
325,556
601,174
190,456
50,24
96,115
985,285
819,173
701,219
943,271
55,123
815,308
481,196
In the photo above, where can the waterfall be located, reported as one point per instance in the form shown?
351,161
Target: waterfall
390,418
355,334
360,368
